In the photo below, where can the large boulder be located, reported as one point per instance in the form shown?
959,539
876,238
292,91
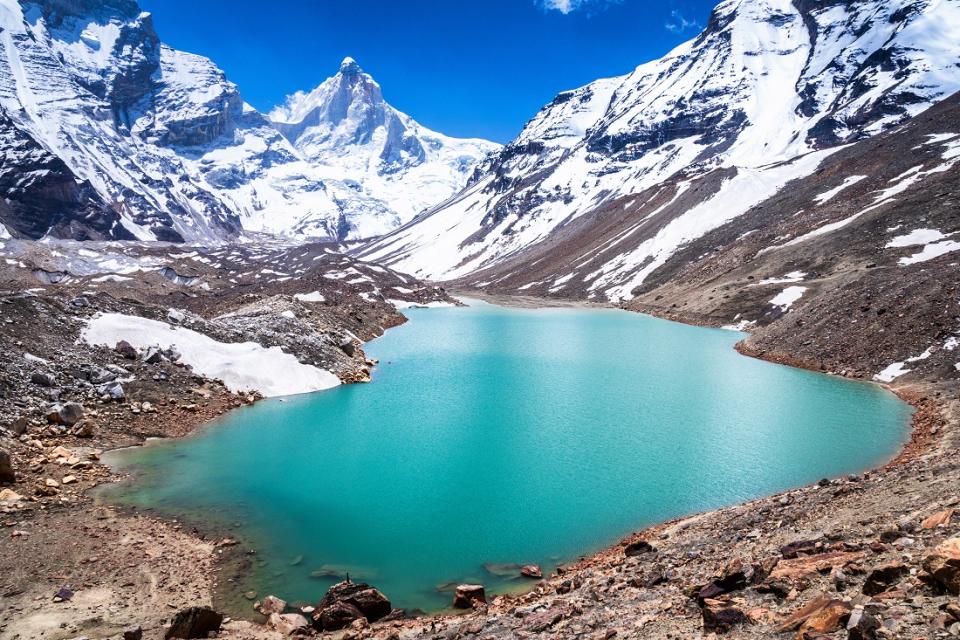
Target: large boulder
339,602
287,623
272,604
943,565
336,616
7,475
194,622
67,414
467,594
884,577
126,350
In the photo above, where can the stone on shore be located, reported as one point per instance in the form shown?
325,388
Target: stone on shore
271,605
943,565
194,622
287,623
637,548
467,594
346,601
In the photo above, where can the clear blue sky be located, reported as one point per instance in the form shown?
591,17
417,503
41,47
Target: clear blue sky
478,68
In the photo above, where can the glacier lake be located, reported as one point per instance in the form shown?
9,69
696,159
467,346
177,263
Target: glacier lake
491,436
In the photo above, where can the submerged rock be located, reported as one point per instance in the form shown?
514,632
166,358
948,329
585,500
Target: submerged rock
531,571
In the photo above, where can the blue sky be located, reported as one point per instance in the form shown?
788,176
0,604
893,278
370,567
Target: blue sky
478,68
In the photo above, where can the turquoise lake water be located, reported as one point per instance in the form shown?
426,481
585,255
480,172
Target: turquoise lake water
495,435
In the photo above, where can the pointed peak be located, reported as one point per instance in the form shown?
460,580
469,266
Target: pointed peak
349,65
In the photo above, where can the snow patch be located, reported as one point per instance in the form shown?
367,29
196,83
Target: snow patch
241,366
785,299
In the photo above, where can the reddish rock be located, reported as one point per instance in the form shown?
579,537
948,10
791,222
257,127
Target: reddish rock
531,571
943,565
336,616
126,350
543,620
370,603
638,548
882,578
720,616
467,594
938,519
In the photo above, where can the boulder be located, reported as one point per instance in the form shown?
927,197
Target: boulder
336,616
531,571
638,548
152,355
133,633
71,413
7,475
9,495
339,602
822,615
542,620
884,577
194,622
943,565
466,594
43,379
20,425
271,605
84,429
720,616
126,350
938,519
287,623
862,625
348,346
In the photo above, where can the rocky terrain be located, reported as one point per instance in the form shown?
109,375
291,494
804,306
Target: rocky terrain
65,401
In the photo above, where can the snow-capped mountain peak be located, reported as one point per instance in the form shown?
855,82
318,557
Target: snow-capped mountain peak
393,165
105,132
688,142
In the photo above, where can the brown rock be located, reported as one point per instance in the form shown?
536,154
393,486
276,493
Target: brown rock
862,625
7,475
133,633
943,565
720,616
287,623
638,548
938,519
828,619
801,566
336,616
271,605
126,350
531,571
821,609
194,622
884,577
466,594
543,620
369,602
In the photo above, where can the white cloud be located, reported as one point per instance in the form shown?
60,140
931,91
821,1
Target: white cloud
569,6
679,24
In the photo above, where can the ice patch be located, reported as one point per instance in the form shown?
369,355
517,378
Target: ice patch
787,297
915,237
314,296
241,366
931,251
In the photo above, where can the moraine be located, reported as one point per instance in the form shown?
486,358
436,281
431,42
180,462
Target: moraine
496,435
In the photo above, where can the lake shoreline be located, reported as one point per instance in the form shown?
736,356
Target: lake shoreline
931,425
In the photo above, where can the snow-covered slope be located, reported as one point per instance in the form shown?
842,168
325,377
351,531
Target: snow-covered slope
107,133
686,143
381,160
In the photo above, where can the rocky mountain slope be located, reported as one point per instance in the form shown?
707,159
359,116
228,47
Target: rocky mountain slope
107,133
630,170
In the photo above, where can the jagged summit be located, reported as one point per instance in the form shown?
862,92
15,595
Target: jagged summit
349,65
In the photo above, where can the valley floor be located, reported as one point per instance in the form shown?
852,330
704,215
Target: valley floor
860,550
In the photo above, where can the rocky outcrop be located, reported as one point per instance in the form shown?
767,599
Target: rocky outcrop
346,602
194,622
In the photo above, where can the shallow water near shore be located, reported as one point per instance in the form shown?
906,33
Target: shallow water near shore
498,435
